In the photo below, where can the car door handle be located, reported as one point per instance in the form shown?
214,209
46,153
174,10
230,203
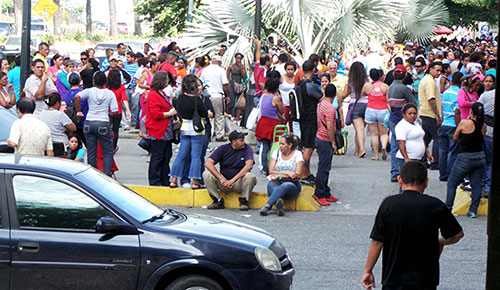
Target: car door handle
28,247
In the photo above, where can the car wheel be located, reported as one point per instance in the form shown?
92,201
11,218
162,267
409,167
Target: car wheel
194,282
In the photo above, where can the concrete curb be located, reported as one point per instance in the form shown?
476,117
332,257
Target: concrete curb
462,203
198,198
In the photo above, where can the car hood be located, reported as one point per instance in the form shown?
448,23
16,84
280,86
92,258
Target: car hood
221,230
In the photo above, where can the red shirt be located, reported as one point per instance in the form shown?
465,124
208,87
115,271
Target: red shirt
325,113
260,78
121,95
156,126
166,66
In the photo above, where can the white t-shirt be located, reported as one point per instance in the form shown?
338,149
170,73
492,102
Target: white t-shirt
413,135
285,89
32,85
56,120
215,77
137,76
100,101
287,165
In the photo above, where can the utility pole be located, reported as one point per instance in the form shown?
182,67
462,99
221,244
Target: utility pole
493,263
190,12
25,42
258,20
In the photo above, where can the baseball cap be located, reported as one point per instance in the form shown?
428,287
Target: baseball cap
237,134
216,57
400,69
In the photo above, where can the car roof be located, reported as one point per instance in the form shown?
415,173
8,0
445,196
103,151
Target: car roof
41,164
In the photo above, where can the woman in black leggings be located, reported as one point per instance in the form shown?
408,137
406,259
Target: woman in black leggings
114,83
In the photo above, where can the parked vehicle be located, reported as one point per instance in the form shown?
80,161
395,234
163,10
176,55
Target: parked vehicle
122,27
135,45
39,29
65,225
6,119
100,26
12,46
6,28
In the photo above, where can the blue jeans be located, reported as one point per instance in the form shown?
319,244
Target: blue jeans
277,190
471,164
99,131
430,127
325,154
133,102
185,172
394,150
266,146
488,144
159,165
447,151
190,146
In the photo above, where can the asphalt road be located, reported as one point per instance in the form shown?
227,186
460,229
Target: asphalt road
329,247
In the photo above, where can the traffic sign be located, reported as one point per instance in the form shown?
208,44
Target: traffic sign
46,8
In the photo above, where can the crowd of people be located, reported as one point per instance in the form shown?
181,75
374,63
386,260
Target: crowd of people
408,97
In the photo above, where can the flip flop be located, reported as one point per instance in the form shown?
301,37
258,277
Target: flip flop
173,185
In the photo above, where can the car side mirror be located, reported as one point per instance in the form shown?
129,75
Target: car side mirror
110,225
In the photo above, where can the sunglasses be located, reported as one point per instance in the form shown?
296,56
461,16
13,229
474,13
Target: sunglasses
83,58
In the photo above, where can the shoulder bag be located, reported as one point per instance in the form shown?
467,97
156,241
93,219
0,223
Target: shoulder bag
174,128
348,117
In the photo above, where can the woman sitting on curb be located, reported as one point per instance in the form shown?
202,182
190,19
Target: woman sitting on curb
285,169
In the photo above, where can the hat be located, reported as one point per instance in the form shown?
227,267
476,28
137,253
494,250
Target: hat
400,69
237,134
74,78
113,57
216,57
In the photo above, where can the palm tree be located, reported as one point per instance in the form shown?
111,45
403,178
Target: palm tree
113,28
88,17
306,24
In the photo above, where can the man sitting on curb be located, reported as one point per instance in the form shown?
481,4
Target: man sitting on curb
235,161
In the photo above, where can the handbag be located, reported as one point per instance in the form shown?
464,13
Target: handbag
348,117
253,118
174,128
242,102
238,88
197,123
72,113
339,137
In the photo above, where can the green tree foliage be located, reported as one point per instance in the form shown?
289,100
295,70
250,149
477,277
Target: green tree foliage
168,16
7,6
469,12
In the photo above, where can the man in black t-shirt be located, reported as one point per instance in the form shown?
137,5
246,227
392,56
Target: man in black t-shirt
407,227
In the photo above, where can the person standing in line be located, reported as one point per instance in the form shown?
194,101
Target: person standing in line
399,95
470,160
448,146
407,228
14,75
39,85
430,109
102,105
114,84
215,78
325,144
29,135
131,68
488,100
311,95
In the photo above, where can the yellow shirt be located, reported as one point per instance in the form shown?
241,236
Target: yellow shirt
39,56
339,83
428,90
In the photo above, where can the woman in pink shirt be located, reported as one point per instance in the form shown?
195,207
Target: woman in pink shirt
468,95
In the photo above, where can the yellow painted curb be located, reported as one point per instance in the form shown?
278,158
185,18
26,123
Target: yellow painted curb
198,198
462,203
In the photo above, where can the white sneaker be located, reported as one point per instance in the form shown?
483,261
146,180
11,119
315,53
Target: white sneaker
186,185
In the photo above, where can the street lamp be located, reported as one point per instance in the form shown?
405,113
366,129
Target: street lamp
25,42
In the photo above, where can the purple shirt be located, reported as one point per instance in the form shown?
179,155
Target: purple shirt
267,108
231,161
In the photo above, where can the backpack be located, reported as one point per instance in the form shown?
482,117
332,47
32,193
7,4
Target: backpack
297,100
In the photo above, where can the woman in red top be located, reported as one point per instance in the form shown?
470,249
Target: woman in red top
376,111
114,83
160,114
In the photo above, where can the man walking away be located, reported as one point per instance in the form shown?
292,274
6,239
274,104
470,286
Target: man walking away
430,109
407,226
131,68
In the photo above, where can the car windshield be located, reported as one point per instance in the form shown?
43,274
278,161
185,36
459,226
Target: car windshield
4,25
38,27
103,47
13,41
127,200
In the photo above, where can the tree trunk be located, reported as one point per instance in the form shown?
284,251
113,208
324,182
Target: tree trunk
137,24
88,11
18,12
113,28
57,18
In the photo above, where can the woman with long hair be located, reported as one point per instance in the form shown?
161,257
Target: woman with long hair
7,94
470,159
189,104
236,74
143,87
4,65
115,85
356,80
286,86
158,119
376,111
75,148
272,110
468,94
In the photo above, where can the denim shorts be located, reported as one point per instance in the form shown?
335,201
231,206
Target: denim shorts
359,111
375,116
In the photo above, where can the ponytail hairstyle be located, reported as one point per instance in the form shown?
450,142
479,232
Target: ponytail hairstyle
478,110
291,139
52,99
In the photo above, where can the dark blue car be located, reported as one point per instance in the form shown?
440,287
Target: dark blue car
65,225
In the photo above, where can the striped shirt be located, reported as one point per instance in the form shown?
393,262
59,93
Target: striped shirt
399,95
449,101
325,113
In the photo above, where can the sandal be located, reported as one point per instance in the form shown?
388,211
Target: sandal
195,186
173,185
375,158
